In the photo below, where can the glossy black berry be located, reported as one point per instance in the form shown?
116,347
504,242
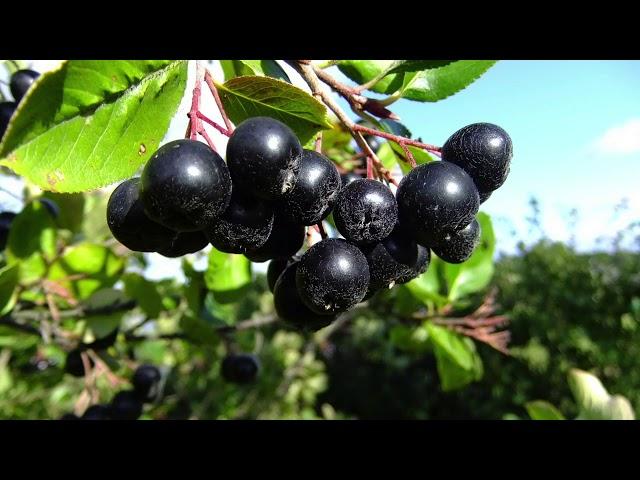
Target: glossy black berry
240,368
146,382
6,218
421,266
365,211
244,226
332,276
458,246
129,223
434,198
484,196
275,269
395,257
185,185
484,151
263,155
315,191
285,240
347,178
97,412
185,243
125,406
21,82
74,365
289,305
6,111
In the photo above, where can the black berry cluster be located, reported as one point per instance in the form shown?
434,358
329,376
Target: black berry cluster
19,84
126,404
260,200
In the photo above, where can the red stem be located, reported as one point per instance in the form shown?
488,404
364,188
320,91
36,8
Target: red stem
215,125
321,230
396,138
214,91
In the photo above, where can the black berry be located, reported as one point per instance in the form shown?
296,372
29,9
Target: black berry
484,196
20,83
185,243
146,382
435,198
264,157
74,365
240,368
129,223
365,211
275,269
458,246
332,276
484,151
349,177
6,218
97,412
421,266
125,406
289,305
69,416
104,342
395,257
315,191
6,111
185,185
286,239
244,226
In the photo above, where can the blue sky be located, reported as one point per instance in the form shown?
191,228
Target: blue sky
575,126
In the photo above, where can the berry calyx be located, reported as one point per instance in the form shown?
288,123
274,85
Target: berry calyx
285,239
125,406
290,307
146,382
21,82
315,191
185,186
263,155
244,226
129,223
434,198
365,211
185,243
484,151
458,246
332,276
240,368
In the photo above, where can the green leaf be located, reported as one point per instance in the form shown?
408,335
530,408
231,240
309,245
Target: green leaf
198,331
144,292
266,68
410,339
15,340
541,410
90,123
33,232
362,71
246,97
8,284
438,83
426,287
71,209
458,362
476,273
593,400
419,155
227,275
98,266
6,379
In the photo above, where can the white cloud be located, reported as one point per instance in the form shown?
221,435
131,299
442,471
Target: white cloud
621,139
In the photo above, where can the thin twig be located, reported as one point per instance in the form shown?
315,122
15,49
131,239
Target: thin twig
214,91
